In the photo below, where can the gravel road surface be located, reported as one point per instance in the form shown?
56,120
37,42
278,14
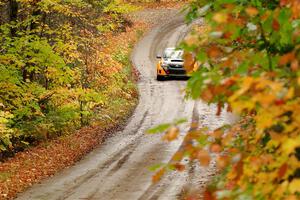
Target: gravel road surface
118,169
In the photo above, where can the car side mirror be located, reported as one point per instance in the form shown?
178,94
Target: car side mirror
158,56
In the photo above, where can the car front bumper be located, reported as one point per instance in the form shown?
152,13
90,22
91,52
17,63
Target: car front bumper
176,72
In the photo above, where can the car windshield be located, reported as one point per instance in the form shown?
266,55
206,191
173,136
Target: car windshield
173,54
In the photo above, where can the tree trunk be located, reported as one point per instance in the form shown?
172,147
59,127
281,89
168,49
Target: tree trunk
13,14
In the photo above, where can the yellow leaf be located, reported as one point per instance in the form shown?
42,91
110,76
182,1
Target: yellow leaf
220,17
290,93
232,175
265,100
294,186
247,82
265,118
289,145
291,197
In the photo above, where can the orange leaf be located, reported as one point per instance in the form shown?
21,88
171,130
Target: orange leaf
251,11
208,195
179,167
218,133
295,65
190,197
157,177
232,175
215,148
207,95
230,185
178,156
213,52
287,58
203,157
222,161
295,9
189,62
227,35
275,25
284,2
282,170
171,134
238,168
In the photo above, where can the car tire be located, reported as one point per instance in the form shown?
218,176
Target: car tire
160,78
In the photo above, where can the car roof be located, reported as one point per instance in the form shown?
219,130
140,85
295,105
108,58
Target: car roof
172,49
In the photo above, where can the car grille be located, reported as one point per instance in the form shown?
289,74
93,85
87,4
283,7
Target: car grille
176,60
175,66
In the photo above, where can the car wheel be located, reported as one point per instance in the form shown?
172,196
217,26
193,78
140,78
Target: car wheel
160,78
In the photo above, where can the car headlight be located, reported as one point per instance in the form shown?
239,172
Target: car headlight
164,65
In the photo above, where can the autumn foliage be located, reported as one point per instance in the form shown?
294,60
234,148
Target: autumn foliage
249,58
57,71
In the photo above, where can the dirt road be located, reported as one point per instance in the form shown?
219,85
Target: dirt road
118,169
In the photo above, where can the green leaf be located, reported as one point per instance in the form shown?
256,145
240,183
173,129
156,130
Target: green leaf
156,167
201,56
159,129
243,68
180,121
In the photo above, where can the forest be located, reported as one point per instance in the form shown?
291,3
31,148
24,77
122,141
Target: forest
56,75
